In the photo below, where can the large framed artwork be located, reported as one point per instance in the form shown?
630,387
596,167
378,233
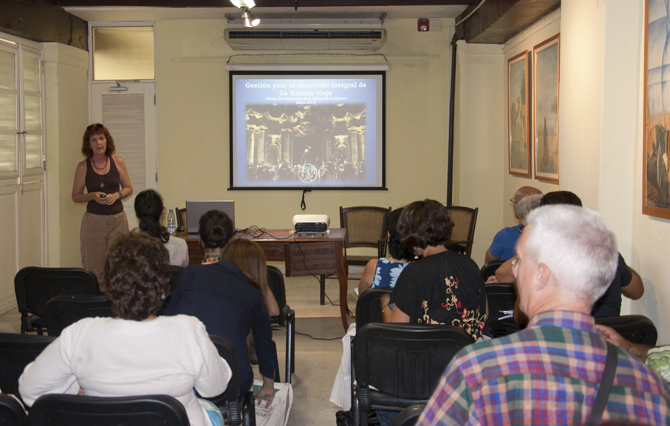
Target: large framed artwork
546,78
655,186
517,111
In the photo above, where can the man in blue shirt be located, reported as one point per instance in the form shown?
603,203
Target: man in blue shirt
502,247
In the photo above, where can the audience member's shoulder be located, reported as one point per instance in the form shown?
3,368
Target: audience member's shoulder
184,321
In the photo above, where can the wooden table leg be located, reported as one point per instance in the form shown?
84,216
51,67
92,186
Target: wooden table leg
342,277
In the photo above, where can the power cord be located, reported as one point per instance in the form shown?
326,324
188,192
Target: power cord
318,338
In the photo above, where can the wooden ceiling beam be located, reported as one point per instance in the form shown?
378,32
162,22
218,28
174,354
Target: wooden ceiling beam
497,21
43,21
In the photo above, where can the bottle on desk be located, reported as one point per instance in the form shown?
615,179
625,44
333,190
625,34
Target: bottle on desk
171,222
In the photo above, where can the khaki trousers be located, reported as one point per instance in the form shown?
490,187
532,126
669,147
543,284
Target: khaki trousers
96,235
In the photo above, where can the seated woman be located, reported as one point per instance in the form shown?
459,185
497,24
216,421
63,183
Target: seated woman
220,296
443,287
134,353
248,256
383,273
150,213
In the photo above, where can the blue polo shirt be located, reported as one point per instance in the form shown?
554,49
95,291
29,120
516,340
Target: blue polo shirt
504,242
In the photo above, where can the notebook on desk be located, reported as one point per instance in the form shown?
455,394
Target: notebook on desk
195,209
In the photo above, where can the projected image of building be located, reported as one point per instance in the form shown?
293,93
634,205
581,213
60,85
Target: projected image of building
305,142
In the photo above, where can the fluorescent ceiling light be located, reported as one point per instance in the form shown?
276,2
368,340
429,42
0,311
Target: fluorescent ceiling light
243,3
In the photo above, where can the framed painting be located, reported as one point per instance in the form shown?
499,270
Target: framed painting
655,186
517,115
546,78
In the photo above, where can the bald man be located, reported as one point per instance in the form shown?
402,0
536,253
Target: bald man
502,247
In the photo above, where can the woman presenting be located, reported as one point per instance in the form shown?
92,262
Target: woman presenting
106,181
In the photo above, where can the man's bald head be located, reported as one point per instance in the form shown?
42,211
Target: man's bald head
523,192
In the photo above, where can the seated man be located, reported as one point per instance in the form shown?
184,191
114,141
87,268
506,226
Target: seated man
626,281
551,372
503,243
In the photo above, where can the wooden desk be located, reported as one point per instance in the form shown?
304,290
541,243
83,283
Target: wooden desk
313,255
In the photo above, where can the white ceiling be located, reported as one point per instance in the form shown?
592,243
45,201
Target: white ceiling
150,14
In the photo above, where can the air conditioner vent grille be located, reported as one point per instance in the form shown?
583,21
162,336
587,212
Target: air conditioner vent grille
304,35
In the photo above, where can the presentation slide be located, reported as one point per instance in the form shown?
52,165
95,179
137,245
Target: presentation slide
307,130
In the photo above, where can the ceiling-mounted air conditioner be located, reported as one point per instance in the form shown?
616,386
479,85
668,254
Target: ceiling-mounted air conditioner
307,33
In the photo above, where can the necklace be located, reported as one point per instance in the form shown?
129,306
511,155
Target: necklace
211,258
100,168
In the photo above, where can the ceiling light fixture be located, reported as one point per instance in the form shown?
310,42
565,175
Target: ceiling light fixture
248,19
243,3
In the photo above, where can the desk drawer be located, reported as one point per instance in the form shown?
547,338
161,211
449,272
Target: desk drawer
311,258
274,251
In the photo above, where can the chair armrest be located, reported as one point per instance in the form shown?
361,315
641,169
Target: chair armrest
284,315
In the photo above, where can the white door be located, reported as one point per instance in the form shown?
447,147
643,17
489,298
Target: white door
22,192
130,116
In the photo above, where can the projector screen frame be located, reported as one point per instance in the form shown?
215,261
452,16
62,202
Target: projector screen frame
353,72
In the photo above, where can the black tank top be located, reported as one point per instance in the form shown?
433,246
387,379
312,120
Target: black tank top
108,183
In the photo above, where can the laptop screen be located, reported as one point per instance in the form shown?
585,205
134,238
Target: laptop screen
195,209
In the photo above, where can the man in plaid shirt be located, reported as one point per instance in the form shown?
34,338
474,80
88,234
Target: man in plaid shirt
550,372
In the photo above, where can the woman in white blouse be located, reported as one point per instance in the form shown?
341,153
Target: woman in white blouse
136,352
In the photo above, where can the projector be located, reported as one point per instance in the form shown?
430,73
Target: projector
311,223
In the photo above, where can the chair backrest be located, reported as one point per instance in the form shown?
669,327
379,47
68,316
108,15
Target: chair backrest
367,307
174,278
501,297
365,225
409,416
231,397
63,311
277,286
35,286
181,218
491,268
635,328
17,351
77,410
12,412
405,360
463,234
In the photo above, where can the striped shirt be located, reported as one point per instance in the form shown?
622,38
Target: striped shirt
547,374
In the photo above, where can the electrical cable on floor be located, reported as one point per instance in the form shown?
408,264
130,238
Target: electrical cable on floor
318,338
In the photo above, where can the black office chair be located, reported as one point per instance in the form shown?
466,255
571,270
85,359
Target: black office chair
238,409
491,268
368,308
17,351
12,412
286,317
79,410
62,311
399,365
635,328
501,297
35,286
409,416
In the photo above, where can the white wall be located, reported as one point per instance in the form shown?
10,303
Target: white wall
480,95
66,89
193,114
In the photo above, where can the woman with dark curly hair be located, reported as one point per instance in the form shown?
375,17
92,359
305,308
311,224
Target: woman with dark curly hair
106,180
150,213
219,294
443,287
136,352
383,273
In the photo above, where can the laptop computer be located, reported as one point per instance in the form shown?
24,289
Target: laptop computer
195,209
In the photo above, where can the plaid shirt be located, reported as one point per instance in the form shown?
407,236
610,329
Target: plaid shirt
547,374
